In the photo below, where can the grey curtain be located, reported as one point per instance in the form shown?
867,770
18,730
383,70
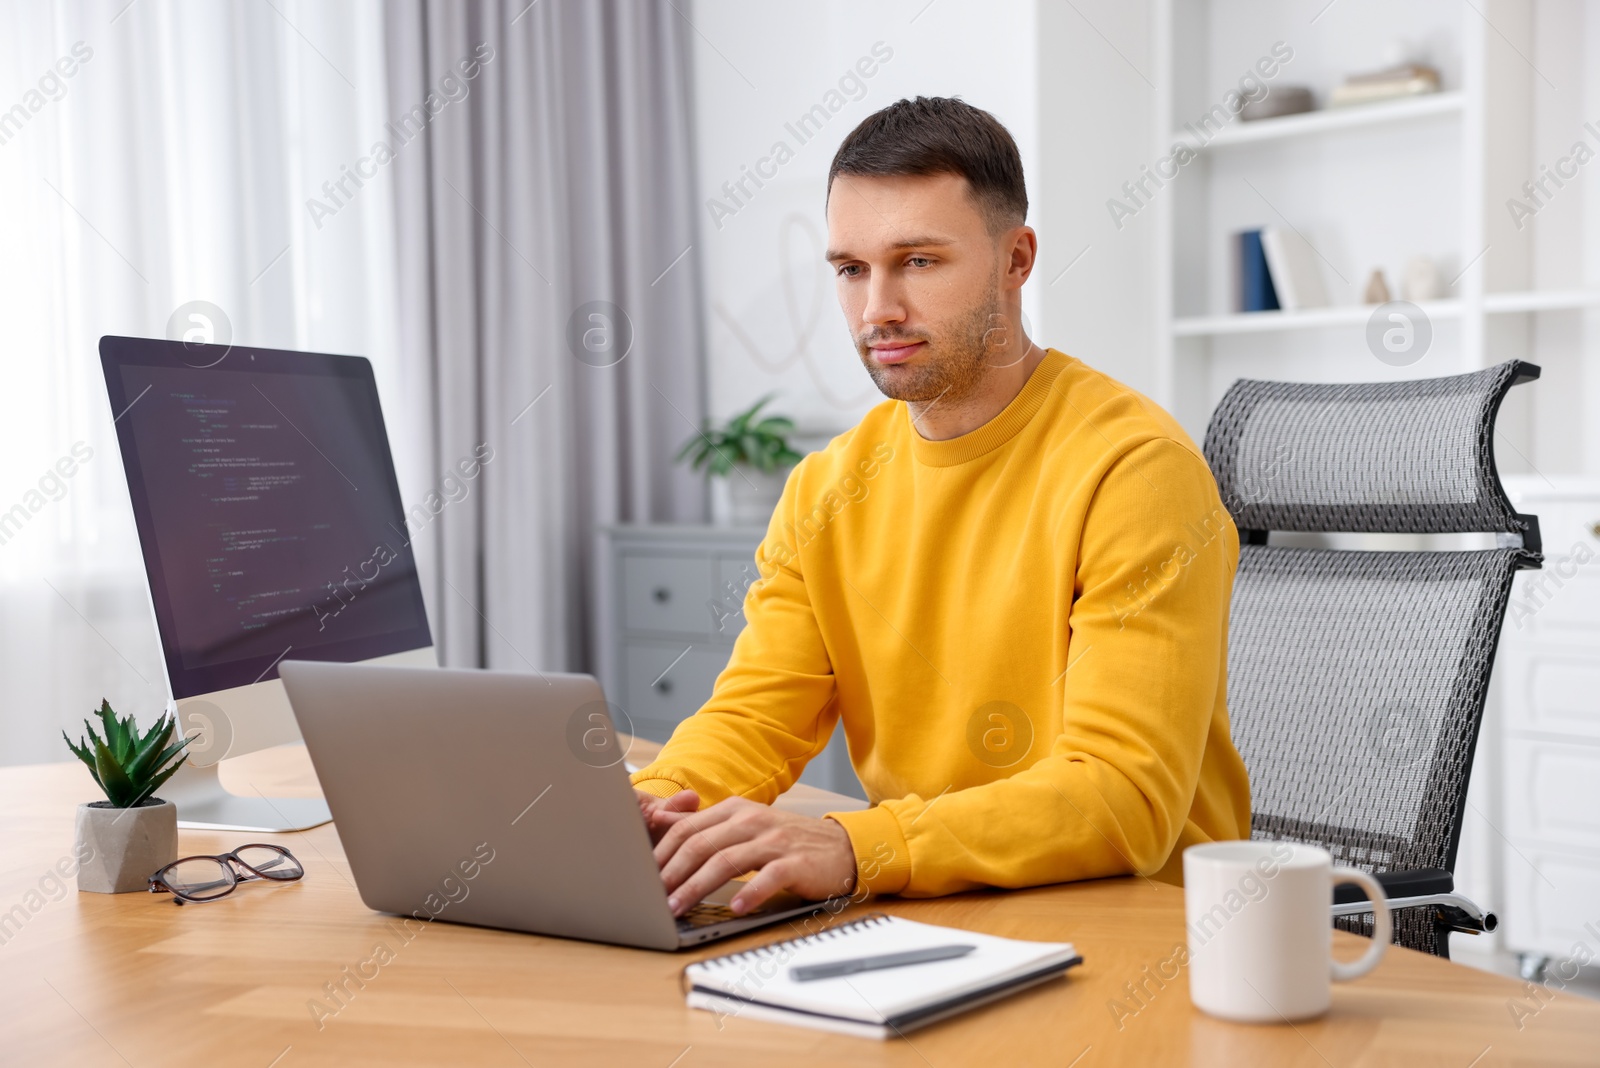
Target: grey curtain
549,304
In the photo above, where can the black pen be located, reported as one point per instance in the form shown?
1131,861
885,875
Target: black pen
806,972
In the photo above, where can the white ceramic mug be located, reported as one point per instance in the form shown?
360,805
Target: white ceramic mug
1260,929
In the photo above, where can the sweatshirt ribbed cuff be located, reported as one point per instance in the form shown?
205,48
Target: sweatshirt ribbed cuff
883,861
656,787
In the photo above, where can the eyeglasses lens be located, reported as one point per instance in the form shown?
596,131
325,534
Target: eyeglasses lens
201,878
271,863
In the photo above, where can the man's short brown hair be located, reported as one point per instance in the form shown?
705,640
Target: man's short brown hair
941,135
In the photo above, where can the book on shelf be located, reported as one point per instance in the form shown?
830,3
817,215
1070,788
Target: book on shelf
1409,79
1252,280
1292,266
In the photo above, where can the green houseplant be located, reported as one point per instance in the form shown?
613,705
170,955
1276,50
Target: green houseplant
751,452
130,834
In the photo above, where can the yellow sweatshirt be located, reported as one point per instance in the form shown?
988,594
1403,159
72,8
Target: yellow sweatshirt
1023,630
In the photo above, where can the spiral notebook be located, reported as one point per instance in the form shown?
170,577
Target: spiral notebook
873,1004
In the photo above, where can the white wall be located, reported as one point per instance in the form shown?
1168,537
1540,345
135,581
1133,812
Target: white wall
1095,283
772,317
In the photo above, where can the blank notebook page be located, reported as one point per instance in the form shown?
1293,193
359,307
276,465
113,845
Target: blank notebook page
762,975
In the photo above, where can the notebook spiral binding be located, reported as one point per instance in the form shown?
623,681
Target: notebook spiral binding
750,956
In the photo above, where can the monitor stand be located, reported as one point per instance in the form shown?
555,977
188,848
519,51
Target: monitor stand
234,723
205,804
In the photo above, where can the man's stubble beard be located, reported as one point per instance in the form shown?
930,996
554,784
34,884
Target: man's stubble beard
951,368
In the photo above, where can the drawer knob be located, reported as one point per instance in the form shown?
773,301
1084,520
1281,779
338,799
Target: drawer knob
663,686
1594,528
661,595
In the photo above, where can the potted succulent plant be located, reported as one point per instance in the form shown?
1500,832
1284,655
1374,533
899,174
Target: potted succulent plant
752,455
132,832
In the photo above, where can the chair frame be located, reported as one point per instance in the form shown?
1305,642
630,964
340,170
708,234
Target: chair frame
1431,889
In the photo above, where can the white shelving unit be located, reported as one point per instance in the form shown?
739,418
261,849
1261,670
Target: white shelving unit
1372,187
1348,118
1357,314
1263,322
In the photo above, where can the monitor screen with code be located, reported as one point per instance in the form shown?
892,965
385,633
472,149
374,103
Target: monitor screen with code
267,508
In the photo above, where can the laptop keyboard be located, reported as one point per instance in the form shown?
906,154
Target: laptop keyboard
705,914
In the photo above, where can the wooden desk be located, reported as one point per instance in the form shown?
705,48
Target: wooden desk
105,980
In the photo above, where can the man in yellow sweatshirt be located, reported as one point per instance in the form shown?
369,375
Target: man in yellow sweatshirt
1009,582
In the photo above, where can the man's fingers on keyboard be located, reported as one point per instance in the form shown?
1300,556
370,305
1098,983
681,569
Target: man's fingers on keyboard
769,880
682,801
702,848
660,813
696,821
722,866
661,822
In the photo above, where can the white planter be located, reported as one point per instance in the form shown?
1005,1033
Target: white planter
747,497
125,846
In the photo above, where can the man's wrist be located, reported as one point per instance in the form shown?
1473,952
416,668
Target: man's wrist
850,853
883,861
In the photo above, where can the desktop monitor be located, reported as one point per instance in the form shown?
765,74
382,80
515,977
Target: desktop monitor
271,524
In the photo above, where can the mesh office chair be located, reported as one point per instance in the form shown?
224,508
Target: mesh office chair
1356,679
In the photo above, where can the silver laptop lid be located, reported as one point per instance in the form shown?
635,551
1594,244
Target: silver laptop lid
490,798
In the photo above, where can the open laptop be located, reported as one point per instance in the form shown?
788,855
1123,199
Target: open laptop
494,798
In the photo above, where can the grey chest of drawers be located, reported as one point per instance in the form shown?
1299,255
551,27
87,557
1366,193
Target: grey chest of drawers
670,604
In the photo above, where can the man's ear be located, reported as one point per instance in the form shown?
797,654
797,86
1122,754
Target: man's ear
1021,256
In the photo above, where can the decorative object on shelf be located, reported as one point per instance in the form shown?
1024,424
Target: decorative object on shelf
132,833
1421,281
1253,280
752,456
1292,266
1377,288
1280,101
1391,83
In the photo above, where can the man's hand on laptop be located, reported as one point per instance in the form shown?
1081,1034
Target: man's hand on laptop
660,813
699,851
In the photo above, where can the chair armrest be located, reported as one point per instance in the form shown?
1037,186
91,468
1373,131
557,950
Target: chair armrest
1431,888
1422,882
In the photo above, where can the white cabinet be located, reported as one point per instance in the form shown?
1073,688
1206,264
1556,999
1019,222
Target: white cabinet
1555,796
1545,740
671,604
1551,689
1551,902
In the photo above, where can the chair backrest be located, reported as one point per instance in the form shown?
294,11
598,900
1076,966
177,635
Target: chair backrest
1357,679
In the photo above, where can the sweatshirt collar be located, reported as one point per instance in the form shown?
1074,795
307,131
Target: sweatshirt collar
997,431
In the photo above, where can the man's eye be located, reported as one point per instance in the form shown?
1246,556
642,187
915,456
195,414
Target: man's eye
849,270
920,261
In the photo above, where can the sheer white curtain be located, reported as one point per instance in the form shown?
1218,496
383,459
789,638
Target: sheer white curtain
154,153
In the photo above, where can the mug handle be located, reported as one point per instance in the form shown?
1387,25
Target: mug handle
1382,925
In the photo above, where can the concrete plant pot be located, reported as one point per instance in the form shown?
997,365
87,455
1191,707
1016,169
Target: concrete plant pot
749,496
125,846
